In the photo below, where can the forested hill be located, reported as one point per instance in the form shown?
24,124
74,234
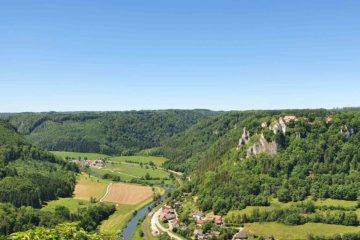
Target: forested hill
104,132
289,155
28,175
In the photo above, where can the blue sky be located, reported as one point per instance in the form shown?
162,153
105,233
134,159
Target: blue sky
132,54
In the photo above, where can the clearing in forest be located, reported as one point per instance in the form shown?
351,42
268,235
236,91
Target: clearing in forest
123,193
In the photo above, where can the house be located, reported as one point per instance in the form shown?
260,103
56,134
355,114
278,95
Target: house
329,120
167,209
166,217
198,233
185,194
167,214
177,204
175,223
215,233
200,223
240,236
218,220
198,215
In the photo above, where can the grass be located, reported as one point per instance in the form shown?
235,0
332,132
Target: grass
76,155
119,219
336,203
284,232
128,171
137,231
72,204
275,204
158,161
123,214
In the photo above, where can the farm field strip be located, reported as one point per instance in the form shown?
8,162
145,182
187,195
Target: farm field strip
122,193
88,187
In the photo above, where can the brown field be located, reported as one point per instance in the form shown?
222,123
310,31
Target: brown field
123,193
87,187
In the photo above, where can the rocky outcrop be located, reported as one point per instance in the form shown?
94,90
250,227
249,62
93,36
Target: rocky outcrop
280,125
245,138
347,131
262,146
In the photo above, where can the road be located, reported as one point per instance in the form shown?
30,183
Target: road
156,226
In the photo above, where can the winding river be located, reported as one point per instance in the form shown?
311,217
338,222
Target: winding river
130,228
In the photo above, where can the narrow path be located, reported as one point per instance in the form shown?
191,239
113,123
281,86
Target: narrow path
106,193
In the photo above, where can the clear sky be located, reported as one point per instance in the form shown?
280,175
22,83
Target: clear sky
153,54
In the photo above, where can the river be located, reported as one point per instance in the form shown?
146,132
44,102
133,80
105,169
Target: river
129,230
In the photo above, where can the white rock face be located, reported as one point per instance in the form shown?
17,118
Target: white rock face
245,137
280,125
262,146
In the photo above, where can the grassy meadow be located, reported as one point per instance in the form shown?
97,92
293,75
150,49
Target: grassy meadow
71,203
299,232
76,155
158,161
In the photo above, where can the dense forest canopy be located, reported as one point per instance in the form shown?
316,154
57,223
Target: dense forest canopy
315,157
120,133
29,175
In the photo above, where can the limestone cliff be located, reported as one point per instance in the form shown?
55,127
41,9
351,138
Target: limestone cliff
262,146
245,137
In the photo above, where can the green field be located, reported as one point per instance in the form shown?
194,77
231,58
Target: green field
128,171
119,219
72,204
275,204
76,155
158,161
300,232
336,203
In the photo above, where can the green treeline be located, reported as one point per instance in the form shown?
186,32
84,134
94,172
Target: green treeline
14,219
29,175
120,133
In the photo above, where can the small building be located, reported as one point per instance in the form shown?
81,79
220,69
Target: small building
218,220
167,214
185,194
177,204
329,120
240,236
215,233
198,233
200,223
198,215
175,223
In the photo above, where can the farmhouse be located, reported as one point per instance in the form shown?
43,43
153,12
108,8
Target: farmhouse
200,223
218,220
167,214
175,223
198,215
199,233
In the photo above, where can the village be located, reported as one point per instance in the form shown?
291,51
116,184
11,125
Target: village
170,219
